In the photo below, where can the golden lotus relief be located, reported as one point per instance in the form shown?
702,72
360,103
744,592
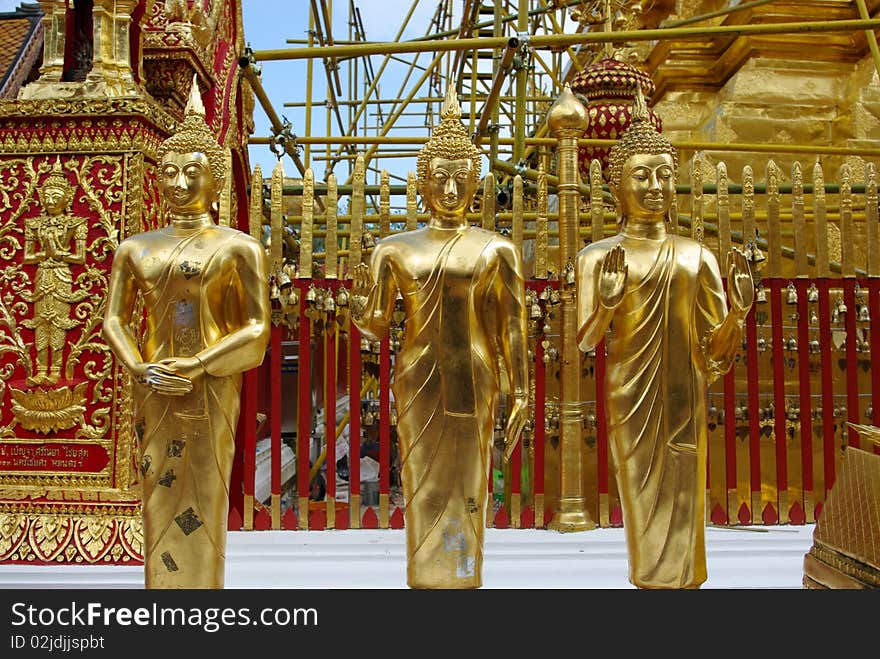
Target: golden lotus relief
49,410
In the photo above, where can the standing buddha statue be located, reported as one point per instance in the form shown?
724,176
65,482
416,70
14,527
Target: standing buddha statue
670,336
206,305
464,299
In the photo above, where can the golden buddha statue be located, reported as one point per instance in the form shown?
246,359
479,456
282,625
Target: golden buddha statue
670,336
54,241
464,298
205,298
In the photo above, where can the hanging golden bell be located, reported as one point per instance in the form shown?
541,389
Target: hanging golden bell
342,297
376,347
792,293
591,419
762,343
814,346
330,304
545,294
311,294
546,329
841,306
757,255
368,240
555,297
791,344
864,316
274,291
289,269
536,311
761,294
813,293
814,318
569,273
365,344
369,419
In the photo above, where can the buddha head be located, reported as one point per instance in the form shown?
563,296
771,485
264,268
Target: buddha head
56,192
448,166
642,169
192,164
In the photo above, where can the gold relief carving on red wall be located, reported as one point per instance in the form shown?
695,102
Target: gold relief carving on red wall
59,226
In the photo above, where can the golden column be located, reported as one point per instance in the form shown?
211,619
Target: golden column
567,120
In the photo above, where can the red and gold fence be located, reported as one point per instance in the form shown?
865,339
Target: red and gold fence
777,421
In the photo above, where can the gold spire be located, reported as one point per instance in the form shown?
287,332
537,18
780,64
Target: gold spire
194,135
451,108
56,178
194,103
640,106
450,139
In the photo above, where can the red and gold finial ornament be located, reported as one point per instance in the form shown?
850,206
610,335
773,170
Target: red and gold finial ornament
607,89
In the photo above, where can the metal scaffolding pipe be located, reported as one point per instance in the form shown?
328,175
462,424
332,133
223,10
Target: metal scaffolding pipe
553,41
254,80
495,91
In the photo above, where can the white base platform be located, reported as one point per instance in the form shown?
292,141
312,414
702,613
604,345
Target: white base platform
740,557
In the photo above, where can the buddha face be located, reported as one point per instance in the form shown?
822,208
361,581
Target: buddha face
186,182
54,199
647,187
450,185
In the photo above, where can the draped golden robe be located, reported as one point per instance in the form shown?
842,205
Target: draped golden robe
204,297
462,290
657,373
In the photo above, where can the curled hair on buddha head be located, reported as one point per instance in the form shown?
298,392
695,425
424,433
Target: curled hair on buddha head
194,136
640,138
450,140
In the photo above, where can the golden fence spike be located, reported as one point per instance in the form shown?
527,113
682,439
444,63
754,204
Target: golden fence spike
276,217
820,222
798,220
722,205
597,205
331,244
412,207
847,242
255,215
358,207
774,233
384,204
748,205
541,228
307,226
488,202
697,197
871,221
